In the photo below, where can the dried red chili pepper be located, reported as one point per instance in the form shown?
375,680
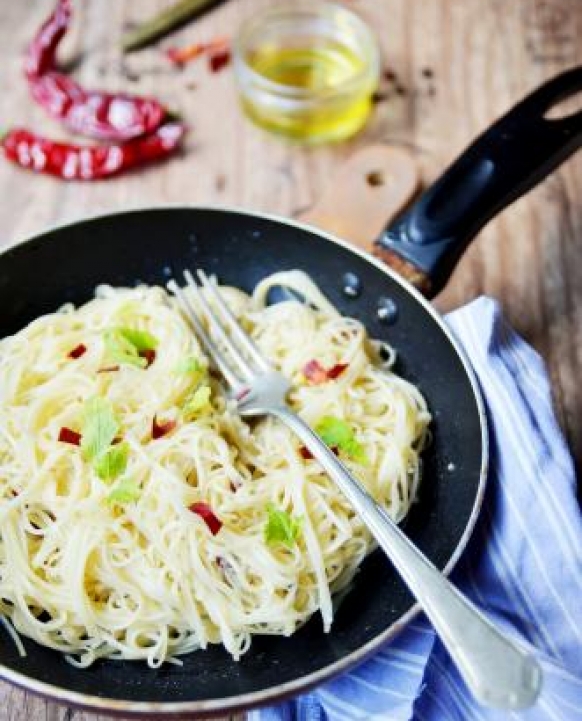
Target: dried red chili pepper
94,113
316,374
217,51
40,56
66,435
160,429
149,355
97,114
336,370
181,56
77,351
219,59
208,516
77,162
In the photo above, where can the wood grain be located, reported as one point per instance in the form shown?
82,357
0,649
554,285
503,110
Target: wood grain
457,65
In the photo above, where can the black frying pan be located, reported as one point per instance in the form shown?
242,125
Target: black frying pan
67,263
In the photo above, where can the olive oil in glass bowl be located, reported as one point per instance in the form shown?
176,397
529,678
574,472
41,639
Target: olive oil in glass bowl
307,71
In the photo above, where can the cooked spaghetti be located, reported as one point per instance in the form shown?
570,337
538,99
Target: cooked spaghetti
142,518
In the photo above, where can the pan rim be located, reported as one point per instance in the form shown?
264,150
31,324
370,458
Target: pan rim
301,684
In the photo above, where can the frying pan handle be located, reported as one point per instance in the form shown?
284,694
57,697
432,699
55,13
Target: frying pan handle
514,154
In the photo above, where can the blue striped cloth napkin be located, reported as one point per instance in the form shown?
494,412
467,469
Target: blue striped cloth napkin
523,565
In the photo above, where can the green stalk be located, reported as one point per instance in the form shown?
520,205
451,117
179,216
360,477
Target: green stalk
163,23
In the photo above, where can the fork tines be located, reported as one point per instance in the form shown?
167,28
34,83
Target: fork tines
225,341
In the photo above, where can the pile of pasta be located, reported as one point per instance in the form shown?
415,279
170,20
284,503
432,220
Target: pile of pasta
142,518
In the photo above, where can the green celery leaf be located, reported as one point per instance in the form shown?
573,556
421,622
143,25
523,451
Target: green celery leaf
126,491
197,402
336,433
112,462
140,339
355,450
281,527
118,349
98,427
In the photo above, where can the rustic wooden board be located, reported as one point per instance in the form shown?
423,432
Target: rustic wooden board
458,64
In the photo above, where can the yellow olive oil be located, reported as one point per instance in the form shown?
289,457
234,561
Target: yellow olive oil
310,92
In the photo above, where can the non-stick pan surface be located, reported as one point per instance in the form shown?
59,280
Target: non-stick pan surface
148,246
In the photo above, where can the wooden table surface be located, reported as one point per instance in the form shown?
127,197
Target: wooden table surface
458,64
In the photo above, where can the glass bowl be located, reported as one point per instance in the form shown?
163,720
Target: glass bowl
306,71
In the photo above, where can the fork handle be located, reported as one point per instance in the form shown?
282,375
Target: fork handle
498,672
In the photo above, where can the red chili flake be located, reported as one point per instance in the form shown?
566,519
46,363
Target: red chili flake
219,59
207,515
180,56
66,435
149,355
316,374
217,51
108,369
78,351
161,429
336,370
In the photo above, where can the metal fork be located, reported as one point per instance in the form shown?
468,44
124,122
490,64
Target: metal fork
498,672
